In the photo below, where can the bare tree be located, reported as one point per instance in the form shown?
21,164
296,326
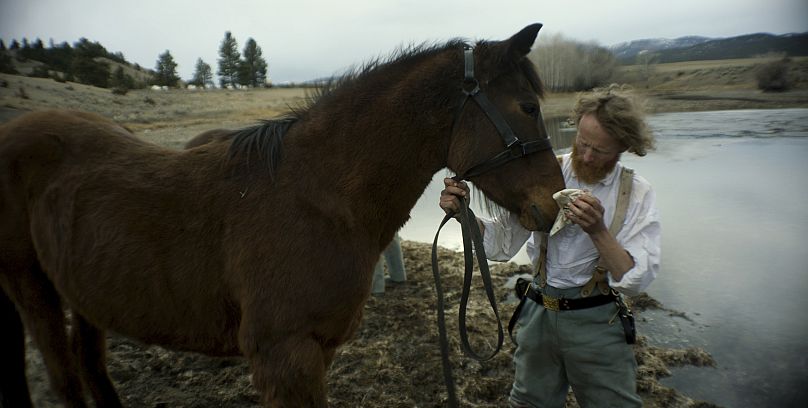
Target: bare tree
647,62
568,65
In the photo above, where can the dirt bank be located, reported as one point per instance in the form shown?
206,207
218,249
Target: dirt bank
393,361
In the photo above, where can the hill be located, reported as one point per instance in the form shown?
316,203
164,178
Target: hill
627,51
745,46
85,61
702,48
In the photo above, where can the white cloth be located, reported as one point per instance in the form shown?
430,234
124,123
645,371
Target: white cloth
571,255
562,198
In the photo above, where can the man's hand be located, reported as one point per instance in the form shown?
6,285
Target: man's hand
451,195
587,212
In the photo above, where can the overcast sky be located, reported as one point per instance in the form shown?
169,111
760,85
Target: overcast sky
307,39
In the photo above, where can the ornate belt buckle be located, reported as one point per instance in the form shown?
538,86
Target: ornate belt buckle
550,303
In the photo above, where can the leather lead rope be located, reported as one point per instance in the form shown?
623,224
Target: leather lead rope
472,238
472,242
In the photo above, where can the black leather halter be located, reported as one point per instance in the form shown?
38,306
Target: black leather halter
514,149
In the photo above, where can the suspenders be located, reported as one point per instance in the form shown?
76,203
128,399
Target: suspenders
599,277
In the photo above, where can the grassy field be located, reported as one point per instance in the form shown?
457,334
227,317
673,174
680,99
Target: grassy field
736,74
171,117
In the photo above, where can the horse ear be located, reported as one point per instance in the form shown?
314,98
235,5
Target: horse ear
521,42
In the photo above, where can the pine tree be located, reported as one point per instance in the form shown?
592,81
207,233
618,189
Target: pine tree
121,80
60,58
166,70
203,75
35,51
84,66
228,61
118,79
7,65
253,68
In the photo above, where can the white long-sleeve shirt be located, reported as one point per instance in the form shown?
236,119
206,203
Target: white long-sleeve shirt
571,255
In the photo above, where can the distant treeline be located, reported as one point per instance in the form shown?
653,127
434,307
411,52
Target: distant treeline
564,64
567,65
90,63
85,62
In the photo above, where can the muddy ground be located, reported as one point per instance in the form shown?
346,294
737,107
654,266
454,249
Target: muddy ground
393,361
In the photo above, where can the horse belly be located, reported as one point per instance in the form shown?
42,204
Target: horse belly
197,322
141,281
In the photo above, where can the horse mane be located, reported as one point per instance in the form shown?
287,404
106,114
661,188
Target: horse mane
262,143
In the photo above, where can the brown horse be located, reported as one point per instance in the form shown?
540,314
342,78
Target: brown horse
226,249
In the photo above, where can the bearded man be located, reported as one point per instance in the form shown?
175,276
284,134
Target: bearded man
573,328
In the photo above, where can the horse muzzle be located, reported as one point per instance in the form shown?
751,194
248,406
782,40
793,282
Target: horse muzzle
535,220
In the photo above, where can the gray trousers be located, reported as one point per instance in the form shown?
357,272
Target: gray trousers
395,266
574,348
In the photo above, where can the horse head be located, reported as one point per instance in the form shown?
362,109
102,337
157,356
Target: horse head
500,143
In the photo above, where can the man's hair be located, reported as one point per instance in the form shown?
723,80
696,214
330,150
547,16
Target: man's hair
620,114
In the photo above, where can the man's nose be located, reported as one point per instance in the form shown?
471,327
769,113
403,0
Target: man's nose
588,155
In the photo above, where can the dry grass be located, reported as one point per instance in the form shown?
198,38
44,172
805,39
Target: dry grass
164,117
172,117
713,76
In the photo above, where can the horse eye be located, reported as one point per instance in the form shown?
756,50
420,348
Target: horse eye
530,109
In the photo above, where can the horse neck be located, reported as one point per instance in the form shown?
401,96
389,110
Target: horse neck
388,136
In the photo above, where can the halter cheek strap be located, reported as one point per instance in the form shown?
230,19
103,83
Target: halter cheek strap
514,147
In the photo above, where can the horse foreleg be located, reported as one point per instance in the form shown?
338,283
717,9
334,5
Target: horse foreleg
39,306
290,373
90,346
13,387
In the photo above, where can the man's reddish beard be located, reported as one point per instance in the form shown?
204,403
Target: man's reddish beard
588,172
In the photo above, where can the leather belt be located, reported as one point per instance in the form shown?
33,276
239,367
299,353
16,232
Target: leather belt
561,304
